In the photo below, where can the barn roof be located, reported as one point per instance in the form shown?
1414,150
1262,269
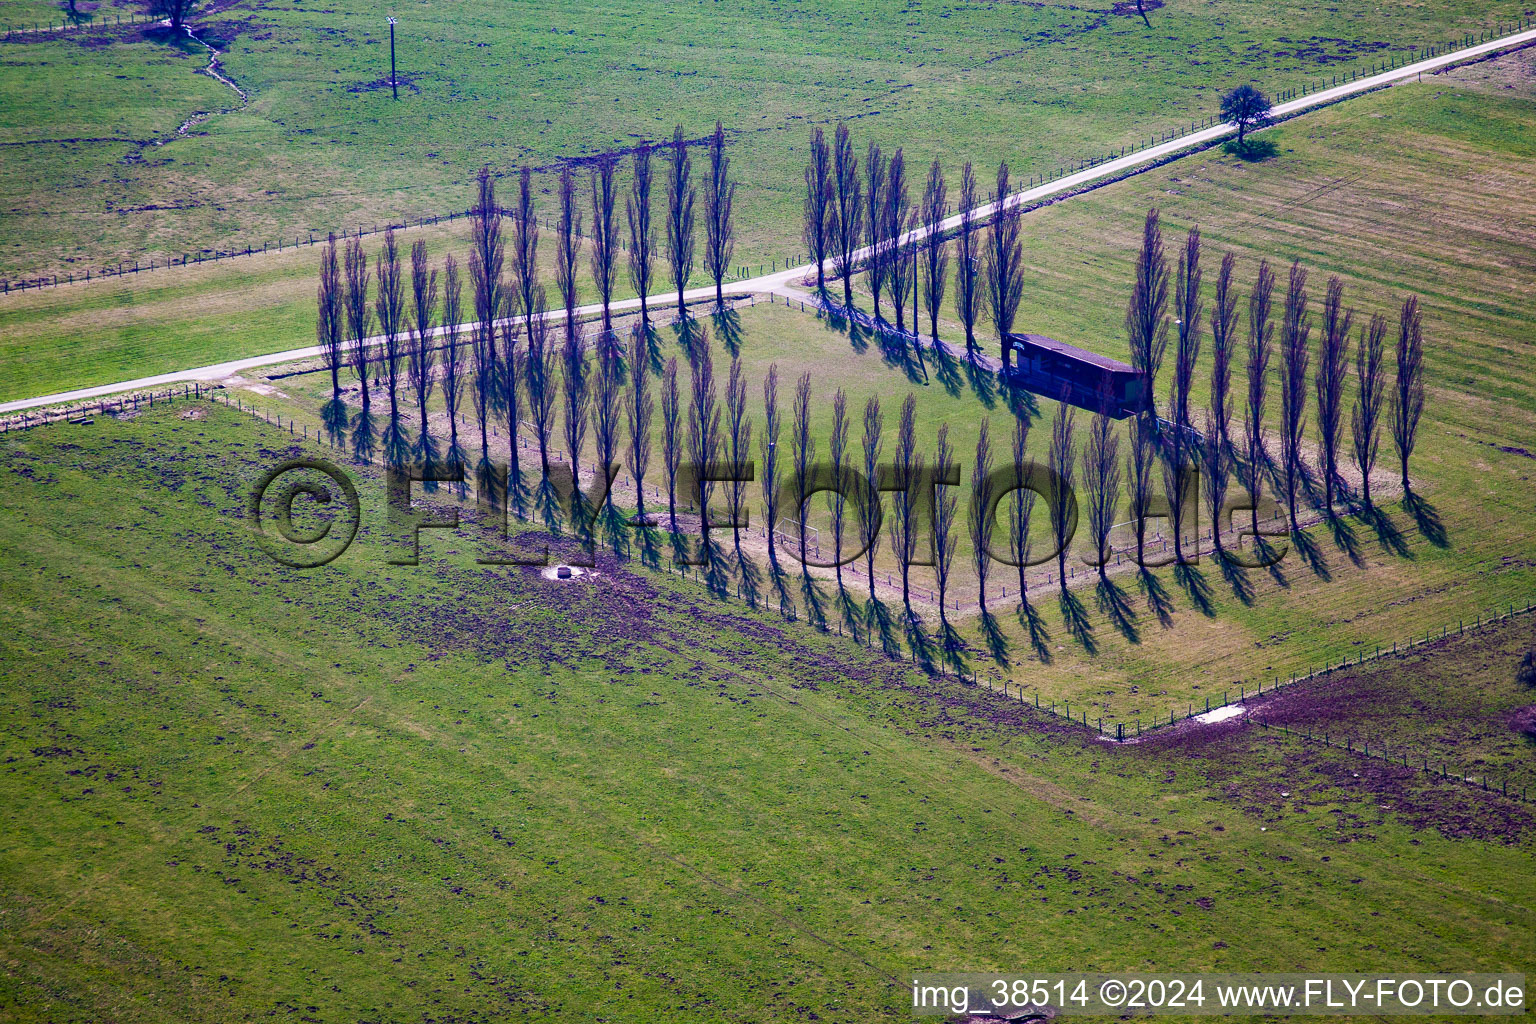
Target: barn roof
1072,352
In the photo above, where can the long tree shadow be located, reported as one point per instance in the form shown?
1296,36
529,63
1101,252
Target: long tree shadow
1158,600
946,368
653,348
1114,602
850,613
728,329
1039,636
1388,536
780,583
1312,553
952,644
455,460
519,496
648,551
982,380
877,623
425,452
687,332
548,505
814,601
1344,538
333,418
1075,616
365,438
1020,401
919,643
992,635
397,447
1236,577
1427,518
717,572
1194,584
749,581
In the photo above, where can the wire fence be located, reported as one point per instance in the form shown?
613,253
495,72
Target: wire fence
1391,61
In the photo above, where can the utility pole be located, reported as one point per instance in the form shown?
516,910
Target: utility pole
393,84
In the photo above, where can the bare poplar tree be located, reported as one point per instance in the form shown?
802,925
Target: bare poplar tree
935,251
803,448
1223,337
606,403
487,252
423,308
869,520
946,505
819,209
680,196
542,376
720,231
578,396
1146,320
874,222
359,316
1063,463
1408,395
1101,467
1190,310
1139,463
981,520
1370,380
703,429
967,259
1260,347
837,501
848,217
605,248
567,251
642,235
389,307
453,351
769,443
1295,354
1332,366
1215,466
1177,478
1021,509
908,498
525,241
638,411
330,321
1005,267
514,368
894,210
671,436
738,427
483,347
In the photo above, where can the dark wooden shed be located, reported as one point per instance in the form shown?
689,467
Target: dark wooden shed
1091,381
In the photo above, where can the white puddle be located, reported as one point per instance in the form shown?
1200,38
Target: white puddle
1222,714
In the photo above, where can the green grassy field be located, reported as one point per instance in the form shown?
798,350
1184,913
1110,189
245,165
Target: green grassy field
463,792
322,146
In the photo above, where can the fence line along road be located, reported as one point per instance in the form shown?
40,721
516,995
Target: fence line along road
774,283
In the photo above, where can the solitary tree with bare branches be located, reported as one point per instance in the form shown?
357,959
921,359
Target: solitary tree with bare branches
1223,337
423,309
967,259
1261,332
605,248
848,215
935,251
1332,366
359,316
1146,319
720,231
671,436
1408,396
1370,379
638,411
1101,467
1295,354
453,351
874,222
680,196
981,519
819,208
642,235
869,501
837,500
1063,463
1005,267
330,321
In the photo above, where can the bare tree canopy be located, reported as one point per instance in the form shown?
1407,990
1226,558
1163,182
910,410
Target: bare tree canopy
874,221
1332,365
848,217
680,197
1370,378
819,208
1408,398
642,234
359,316
769,444
1146,319
1101,468
1260,347
1005,267
1295,354
719,199
605,248
526,240
423,309
330,320
1223,336
968,256
638,411
177,12
981,519
869,518
935,251
453,354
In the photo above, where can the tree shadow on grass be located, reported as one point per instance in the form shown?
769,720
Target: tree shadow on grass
814,601
919,643
946,368
1159,602
1114,602
425,452
850,613
1039,636
1427,518
1251,150
982,380
454,462
1311,553
992,636
1194,583
878,623
953,647
1236,577
1388,536
333,418
365,438
1075,616
1344,538
728,329
749,581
